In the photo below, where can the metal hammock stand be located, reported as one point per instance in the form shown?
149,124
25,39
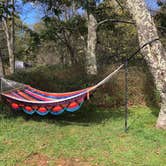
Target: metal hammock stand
126,81
31,100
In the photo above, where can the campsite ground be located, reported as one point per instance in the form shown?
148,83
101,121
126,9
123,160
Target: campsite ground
89,137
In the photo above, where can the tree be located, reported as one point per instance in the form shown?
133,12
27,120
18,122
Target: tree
57,20
62,13
65,27
155,54
91,62
12,36
1,63
3,10
9,31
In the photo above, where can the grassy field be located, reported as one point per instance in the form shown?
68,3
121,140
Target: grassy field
89,137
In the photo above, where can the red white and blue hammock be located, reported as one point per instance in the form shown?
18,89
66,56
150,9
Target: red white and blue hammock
31,100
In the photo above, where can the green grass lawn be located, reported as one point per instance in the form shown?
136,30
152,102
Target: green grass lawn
91,136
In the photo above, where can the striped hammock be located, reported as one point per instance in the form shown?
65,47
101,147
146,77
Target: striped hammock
31,100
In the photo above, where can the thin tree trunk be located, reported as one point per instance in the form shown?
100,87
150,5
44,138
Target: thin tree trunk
12,59
70,48
1,62
9,46
1,66
91,64
74,9
10,39
72,54
155,54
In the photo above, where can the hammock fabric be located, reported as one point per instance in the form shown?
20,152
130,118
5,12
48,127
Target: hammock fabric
31,100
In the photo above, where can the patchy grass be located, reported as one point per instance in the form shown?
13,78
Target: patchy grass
90,136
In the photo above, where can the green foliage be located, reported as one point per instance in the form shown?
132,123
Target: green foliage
5,10
116,40
26,41
65,27
161,16
68,31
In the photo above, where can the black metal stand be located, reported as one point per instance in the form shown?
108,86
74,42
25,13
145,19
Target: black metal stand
126,95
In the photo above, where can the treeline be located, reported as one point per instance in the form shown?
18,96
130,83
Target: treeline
88,33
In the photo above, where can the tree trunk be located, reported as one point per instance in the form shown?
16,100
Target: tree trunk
9,46
91,64
12,57
10,38
1,66
155,54
1,63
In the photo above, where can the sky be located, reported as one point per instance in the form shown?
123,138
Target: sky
152,4
30,14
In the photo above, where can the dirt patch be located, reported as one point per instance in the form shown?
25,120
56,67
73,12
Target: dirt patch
37,159
71,162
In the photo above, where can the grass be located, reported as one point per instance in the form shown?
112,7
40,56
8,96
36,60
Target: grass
93,136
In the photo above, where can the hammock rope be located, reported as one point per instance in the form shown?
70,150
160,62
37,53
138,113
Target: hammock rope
30,100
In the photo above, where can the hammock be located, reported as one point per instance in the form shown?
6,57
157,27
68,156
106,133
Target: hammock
30,100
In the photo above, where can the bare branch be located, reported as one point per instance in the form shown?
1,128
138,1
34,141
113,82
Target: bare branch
119,3
115,21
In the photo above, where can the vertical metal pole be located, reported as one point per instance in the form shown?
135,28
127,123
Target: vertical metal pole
126,94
